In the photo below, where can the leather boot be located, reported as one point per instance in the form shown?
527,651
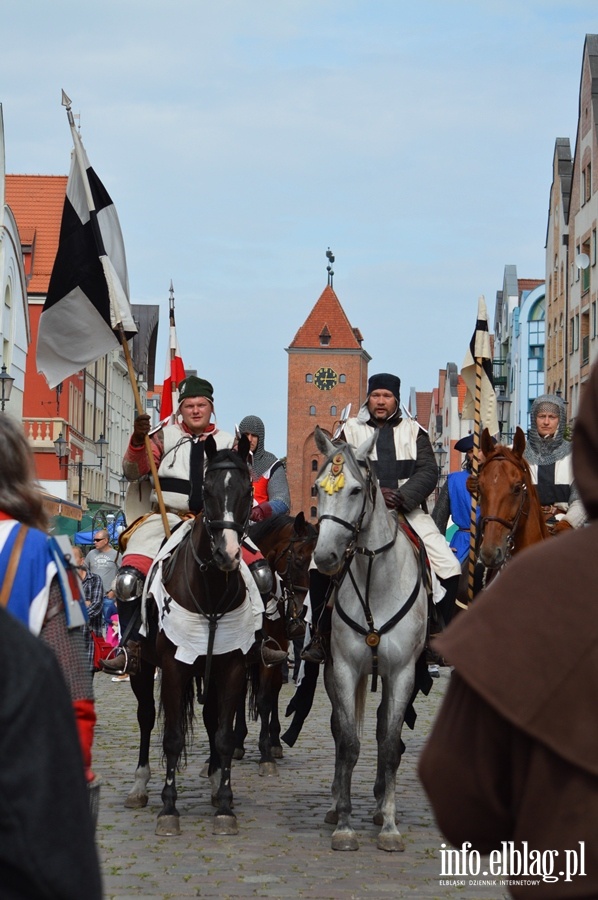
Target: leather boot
318,649
126,661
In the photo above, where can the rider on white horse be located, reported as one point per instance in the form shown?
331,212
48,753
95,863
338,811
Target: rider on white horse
178,451
407,471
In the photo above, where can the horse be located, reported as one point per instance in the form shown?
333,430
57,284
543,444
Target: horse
203,578
378,627
511,517
287,543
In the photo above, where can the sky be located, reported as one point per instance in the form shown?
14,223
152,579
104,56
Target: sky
239,141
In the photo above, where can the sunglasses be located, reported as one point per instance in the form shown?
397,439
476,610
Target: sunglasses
98,540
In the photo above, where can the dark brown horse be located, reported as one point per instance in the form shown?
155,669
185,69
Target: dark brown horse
287,543
205,582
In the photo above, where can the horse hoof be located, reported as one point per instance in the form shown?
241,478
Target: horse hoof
136,801
225,825
168,825
269,769
344,841
390,842
238,752
331,817
276,752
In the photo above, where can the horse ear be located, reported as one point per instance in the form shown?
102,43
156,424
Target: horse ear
210,447
323,443
299,525
486,443
519,442
243,447
364,450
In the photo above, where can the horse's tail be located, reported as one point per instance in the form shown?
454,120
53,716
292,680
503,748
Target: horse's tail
360,695
253,687
187,719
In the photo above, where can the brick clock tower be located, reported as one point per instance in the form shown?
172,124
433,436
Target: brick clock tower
328,369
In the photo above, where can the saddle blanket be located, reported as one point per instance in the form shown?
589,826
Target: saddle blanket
189,631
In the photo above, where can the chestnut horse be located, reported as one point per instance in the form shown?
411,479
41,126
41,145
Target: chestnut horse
511,517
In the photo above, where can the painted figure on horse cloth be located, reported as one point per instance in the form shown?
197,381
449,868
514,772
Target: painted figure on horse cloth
178,451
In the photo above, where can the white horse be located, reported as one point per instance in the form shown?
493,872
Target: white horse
378,627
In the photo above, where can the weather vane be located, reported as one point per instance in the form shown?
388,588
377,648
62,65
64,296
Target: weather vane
329,269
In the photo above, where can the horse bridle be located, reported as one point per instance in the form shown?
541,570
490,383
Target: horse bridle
355,528
221,524
511,526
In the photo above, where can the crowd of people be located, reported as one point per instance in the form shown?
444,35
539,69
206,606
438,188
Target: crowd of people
520,688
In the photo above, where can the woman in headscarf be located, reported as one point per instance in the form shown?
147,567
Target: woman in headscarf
549,455
512,755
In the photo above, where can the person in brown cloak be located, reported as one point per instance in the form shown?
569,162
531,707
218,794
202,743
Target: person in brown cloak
513,754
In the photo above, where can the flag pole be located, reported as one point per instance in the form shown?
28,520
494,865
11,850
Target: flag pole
473,522
173,386
67,103
148,443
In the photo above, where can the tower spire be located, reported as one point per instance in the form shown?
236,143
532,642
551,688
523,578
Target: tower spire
329,269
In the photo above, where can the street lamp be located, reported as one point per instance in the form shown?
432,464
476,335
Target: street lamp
440,454
62,449
123,483
502,407
7,383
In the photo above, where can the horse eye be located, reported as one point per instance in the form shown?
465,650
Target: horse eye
354,491
517,488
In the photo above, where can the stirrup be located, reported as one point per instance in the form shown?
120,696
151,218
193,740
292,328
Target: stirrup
277,649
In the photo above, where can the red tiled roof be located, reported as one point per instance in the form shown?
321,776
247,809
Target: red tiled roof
529,284
327,314
37,202
423,400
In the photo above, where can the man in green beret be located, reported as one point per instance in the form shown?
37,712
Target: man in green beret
178,451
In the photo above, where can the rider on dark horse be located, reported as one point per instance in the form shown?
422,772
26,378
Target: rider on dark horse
178,451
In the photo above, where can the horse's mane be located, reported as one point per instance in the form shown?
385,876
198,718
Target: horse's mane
275,523
230,456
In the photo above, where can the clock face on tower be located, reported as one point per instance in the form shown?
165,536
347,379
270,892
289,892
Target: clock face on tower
325,378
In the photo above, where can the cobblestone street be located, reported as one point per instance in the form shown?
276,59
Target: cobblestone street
283,845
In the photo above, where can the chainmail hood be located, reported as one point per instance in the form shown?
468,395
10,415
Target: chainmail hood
262,460
545,451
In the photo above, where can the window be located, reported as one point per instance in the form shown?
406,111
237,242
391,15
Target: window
314,465
312,410
585,273
314,491
343,378
309,378
314,512
333,410
593,332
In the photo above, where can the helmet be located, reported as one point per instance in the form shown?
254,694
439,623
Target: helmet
129,583
262,575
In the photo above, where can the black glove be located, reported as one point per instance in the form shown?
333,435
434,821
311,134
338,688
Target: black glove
392,498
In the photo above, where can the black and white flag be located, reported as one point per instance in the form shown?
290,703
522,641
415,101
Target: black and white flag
88,295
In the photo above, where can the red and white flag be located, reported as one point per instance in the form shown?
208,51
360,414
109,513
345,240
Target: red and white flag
175,370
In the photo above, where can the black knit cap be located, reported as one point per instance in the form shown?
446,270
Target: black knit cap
385,382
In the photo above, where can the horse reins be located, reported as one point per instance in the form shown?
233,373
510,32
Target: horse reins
511,526
371,634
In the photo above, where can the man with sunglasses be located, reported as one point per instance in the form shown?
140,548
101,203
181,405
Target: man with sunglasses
102,561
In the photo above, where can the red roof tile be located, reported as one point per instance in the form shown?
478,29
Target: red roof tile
37,202
327,315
